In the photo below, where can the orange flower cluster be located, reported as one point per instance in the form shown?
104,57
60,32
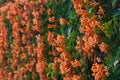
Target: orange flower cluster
58,45
73,77
25,18
64,63
3,39
104,47
91,40
51,19
41,65
3,49
100,72
89,25
76,63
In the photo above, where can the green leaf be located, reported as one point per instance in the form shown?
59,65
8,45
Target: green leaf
52,75
29,75
116,12
69,31
37,77
49,69
113,3
118,52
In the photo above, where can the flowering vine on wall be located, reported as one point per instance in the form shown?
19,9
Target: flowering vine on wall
59,40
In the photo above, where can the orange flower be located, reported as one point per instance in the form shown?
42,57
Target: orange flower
68,77
53,52
80,44
101,11
60,40
42,9
76,63
98,59
52,19
24,56
49,11
52,26
65,67
83,70
40,68
55,66
23,70
51,38
76,77
104,47
57,60
39,38
89,31
63,21
36,22
85,1
99,71
36,28
95,3
24,39
87,47
65,56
